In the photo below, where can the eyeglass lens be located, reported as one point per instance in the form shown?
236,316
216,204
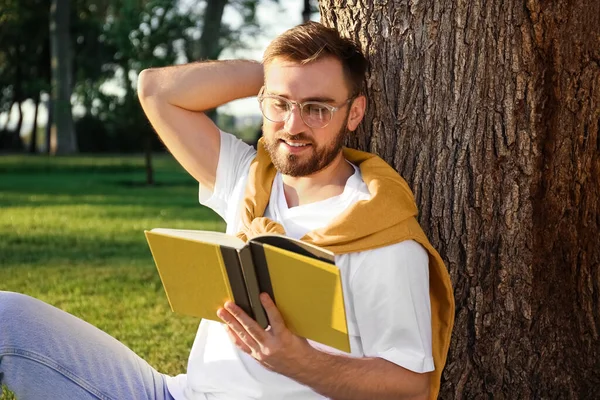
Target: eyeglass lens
313,114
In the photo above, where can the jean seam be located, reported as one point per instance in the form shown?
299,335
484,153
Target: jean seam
41,359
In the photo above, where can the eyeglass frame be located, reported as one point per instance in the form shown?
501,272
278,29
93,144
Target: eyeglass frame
300,105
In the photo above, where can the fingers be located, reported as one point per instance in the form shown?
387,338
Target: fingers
275,318
245,327
237,341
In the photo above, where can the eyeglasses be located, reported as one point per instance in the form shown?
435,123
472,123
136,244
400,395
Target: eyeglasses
314,113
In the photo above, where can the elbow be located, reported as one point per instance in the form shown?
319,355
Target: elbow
425,394
417,387
422,388
147,85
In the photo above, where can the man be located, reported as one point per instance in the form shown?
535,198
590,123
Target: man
309,91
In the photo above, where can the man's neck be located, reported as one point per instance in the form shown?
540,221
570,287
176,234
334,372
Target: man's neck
326,183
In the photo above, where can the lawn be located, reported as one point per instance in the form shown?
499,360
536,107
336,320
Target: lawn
72,235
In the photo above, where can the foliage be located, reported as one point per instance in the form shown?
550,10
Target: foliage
24,50
112,41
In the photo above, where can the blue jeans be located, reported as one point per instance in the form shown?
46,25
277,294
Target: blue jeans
46,353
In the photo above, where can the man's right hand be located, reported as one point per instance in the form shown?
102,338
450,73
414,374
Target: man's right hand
176,98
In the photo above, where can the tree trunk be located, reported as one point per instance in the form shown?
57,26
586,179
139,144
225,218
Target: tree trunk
15,136
306,11
19,126
49,123
62,132
491,111
5,134
130,101
148,158
33,135
4,127
208,47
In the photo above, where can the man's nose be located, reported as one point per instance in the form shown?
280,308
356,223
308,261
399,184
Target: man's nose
294,124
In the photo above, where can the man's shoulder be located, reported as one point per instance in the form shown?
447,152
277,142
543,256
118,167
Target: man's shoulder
408,246
391,254
235,152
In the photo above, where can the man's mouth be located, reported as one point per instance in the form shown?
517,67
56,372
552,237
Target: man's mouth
294,144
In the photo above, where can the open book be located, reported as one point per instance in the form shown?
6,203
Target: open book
201,270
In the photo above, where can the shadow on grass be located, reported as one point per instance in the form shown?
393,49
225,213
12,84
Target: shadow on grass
72,249
85,164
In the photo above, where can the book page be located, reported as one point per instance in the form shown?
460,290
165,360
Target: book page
296,246
203,236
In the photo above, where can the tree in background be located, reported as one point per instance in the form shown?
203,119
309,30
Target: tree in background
62,132
145,34
110,41
216,35
148,34
309,8
23,75
491,111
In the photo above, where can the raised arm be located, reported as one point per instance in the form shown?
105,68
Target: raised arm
175,100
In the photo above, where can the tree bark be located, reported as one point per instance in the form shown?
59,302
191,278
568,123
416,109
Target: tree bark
62,132
491,112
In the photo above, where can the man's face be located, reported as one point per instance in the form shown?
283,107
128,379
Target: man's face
295,148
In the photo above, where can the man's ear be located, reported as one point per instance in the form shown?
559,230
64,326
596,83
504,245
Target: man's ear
357,112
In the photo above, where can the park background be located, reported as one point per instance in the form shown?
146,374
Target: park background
72,216
490,109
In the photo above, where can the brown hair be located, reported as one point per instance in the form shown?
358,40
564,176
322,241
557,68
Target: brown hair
312,41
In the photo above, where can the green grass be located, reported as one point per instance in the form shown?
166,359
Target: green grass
72,235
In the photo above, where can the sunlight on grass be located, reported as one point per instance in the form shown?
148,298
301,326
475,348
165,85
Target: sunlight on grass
5,394
72,235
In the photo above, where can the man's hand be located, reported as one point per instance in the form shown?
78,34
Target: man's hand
333,376
276,347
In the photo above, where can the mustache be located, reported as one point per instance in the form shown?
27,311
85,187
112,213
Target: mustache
300,137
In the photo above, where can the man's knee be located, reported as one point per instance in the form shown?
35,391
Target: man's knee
13,306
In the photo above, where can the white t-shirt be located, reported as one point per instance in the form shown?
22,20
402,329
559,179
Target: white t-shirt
386,291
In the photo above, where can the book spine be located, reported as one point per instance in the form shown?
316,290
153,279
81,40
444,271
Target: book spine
252,286
262,270
236,279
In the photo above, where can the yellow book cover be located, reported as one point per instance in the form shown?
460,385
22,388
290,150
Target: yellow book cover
193,274
317,313
201,270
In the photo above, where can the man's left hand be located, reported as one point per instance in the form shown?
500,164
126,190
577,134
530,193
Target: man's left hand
276,347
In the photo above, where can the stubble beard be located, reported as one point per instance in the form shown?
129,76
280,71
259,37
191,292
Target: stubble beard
305,165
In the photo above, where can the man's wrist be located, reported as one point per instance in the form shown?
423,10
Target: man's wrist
307,361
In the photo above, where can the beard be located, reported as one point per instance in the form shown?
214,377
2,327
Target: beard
305,164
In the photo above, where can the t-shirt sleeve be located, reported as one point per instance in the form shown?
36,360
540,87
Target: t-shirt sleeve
235,157
391,301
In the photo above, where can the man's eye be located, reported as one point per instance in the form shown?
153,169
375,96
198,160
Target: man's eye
279,104
316,109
